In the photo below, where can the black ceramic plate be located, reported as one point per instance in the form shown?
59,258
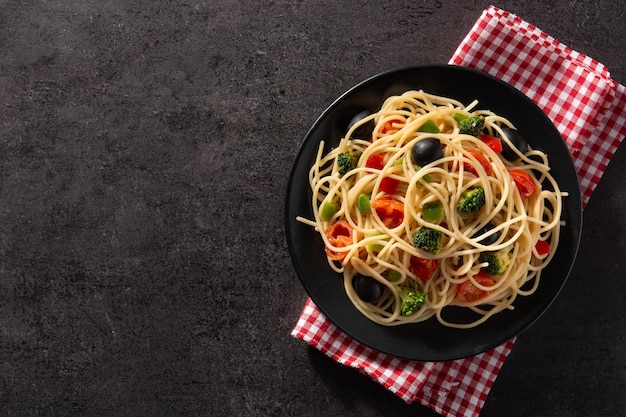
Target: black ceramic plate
430,341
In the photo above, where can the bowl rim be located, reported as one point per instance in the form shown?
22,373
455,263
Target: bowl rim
347,325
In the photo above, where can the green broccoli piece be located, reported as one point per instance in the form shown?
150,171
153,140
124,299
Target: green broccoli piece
411,299
345,163
497,262
472,125
428,240
471,200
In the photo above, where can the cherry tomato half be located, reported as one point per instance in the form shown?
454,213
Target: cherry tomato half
481,160
390,211
392,125
467,292
339,235
524,182
492,142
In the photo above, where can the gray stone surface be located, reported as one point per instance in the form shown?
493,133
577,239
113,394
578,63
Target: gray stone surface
144,153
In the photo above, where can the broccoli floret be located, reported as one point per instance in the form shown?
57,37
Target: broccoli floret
345,163
428,240
497,262
411,300
471,200
472,125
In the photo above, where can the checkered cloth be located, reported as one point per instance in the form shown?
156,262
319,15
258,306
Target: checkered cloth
586,106
574,90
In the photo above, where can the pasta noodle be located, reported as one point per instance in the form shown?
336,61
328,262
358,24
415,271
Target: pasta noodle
378,206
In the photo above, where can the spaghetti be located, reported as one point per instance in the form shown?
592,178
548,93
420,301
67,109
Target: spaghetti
373,198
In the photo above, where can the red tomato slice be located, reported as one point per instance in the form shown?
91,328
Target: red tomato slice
390,211
389,185
424,269
391,125
467,292
481,160
542,247
339,234
493,142
524,182
375,162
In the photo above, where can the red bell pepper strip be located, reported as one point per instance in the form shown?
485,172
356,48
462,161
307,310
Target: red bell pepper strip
423,268
389,185
375,162
542,247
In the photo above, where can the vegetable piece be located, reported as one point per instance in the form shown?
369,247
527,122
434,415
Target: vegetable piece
375,247
424,179
459,117
390,211
375,162
389,185
393,275
518,142
429,240
391,125
497,261
481,160
364,131
339,235
363,203
426,150
429,127
471,200
467,292
472,125
524,182
367,288
494,143
487,240
411,300
542,247
328,210
345,163
432,211
423,268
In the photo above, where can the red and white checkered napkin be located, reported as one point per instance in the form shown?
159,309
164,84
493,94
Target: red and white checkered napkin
586,106
456,388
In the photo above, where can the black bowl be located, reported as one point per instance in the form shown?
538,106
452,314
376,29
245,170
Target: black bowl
429,340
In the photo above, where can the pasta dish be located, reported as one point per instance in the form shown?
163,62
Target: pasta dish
429,205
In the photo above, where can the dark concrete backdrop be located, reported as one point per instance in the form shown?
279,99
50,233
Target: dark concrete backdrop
144,153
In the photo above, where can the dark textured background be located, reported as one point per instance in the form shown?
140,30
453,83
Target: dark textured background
144,153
